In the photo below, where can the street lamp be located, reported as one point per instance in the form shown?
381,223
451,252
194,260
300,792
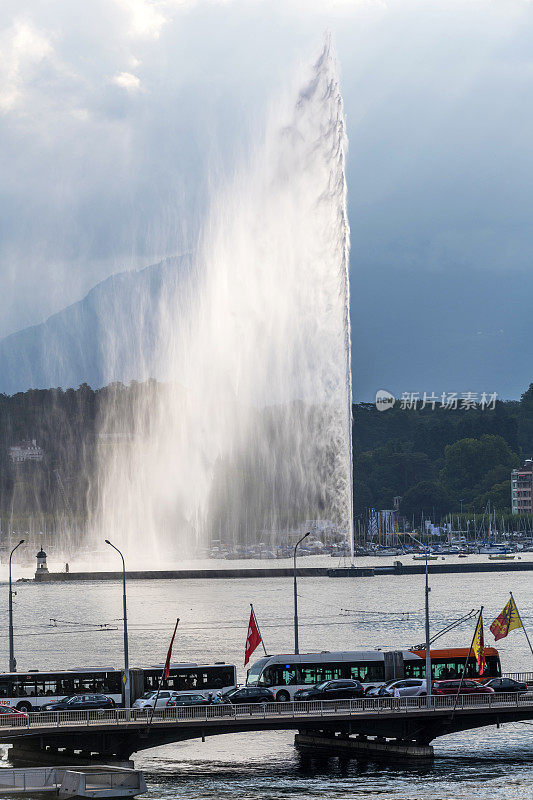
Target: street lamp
12,660
126,654
296,595
428,656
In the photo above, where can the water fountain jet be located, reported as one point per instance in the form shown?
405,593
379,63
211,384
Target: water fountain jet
249,433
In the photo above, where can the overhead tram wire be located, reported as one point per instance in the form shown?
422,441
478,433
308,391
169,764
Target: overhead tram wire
58,622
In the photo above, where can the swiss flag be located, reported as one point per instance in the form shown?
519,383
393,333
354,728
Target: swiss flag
253,639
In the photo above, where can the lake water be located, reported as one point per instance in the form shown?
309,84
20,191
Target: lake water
384,611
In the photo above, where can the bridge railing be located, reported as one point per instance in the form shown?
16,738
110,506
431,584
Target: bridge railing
523,677
309,710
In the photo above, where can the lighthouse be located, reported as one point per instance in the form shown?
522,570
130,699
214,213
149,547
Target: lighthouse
42,567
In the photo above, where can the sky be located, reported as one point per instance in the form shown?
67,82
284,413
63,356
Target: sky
118,116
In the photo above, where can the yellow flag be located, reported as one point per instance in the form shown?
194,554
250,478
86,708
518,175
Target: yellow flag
507,621
478,644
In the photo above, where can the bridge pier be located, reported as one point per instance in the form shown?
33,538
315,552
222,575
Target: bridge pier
35,753
327,743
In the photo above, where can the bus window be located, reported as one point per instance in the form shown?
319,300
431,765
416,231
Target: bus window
268,677
216,678
283,675
307,674
329,672
368,671
46,688
183,681
493,666
27,687
113,682
415,669
443,669
5,690
151,681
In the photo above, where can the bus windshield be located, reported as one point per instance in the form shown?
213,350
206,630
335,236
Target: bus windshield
255,671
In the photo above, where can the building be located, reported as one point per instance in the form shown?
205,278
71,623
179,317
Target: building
26,451
522,488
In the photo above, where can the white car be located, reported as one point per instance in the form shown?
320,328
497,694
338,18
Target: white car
148,699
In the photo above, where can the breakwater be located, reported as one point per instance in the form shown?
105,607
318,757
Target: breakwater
397,569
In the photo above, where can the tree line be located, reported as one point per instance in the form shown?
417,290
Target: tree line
437,460
440,460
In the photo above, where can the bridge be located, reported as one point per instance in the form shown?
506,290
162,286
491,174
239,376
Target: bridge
405,725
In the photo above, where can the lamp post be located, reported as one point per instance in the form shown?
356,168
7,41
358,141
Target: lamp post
296,650
126,654
428,656
12,659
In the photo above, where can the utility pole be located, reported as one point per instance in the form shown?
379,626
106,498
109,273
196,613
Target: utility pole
127,694
428,644
296,650
12,659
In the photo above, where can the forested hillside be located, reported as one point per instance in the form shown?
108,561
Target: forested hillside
433,459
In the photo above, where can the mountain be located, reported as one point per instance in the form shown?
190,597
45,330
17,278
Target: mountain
111,334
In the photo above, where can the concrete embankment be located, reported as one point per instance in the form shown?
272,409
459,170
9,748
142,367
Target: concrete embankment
397,569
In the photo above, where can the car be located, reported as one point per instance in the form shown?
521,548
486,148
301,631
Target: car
249,694
80,702
331,690
149,698
377,691
7,713
507,685
460,687
409,687
187,700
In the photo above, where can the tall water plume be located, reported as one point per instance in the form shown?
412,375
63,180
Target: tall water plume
250,431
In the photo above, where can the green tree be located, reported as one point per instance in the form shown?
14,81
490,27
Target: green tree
525,422
426,497
468,461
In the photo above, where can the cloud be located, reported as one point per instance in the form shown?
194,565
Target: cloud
24,51
145,19
127,81
121,117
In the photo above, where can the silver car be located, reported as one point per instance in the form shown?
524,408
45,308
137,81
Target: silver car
409,687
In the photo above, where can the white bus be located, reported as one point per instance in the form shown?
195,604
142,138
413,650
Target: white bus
285,674
29,691
190,678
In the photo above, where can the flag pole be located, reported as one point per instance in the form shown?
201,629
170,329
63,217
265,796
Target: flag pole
466,661
257,626
522,622
163,675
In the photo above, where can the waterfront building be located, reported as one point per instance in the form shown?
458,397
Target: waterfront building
26,450
522,488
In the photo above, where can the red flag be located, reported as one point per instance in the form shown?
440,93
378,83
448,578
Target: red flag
253,639
169,654
507,621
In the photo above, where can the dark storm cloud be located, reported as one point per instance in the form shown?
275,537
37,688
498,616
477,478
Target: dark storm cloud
118,119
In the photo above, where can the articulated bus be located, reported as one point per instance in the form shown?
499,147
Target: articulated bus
28,691
285,674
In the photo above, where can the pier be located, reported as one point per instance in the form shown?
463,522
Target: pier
352,571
